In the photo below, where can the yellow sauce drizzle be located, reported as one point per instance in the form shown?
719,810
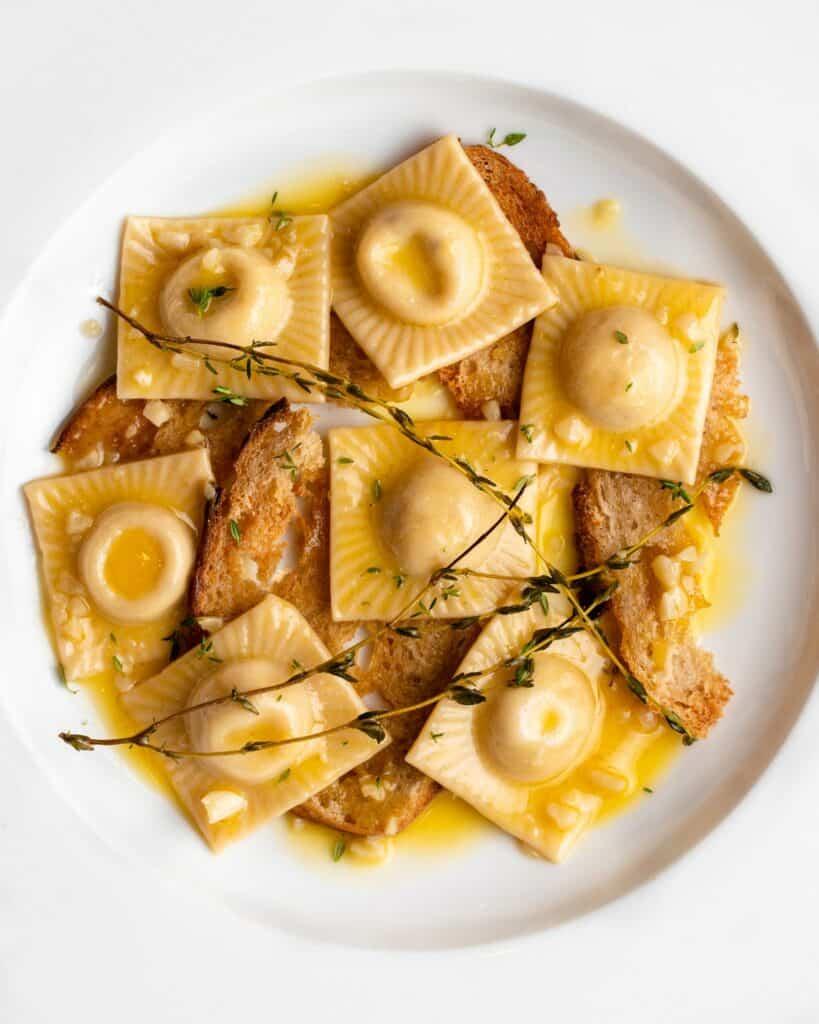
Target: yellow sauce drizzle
728,573
134,563
313,190
104,694
599,233
448,824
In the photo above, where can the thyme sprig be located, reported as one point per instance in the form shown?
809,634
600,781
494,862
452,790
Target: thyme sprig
254,358
338,665
309,378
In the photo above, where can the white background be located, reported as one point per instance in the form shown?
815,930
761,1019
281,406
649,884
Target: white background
730,88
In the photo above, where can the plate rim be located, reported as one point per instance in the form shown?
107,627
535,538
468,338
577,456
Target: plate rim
315,84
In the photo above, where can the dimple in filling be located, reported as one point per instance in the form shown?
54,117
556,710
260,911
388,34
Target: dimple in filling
421,262
538,734
282,714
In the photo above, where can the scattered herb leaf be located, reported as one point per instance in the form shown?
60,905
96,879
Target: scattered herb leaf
203,297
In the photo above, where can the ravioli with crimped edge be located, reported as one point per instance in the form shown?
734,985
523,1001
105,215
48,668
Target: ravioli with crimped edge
236,279
398,513
229,796
543,760
427,269
619,371
118,547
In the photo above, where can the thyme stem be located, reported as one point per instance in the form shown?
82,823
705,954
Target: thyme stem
249,358
338,662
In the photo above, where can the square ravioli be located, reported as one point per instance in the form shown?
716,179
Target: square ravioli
398,513
427,269
237,279
619,371
543,758
118,546
229,796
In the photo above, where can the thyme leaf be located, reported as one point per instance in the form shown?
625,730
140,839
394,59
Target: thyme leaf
203,297
510,139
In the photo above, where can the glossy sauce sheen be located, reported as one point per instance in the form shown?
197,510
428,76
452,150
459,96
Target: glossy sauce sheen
449,824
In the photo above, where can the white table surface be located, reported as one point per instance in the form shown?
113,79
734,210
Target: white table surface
732,89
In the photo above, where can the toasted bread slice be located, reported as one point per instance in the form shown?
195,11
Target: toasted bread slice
613,510
245,537
384,795
496,372
247,527
105,428
348,359
723,443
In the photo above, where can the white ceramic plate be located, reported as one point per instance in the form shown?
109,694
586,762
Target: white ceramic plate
489,891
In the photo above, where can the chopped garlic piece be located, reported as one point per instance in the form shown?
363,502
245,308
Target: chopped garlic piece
210,491
572,430
143,378
564,817
372,849
491,410
212,261
688,554
177,241
673,605
222,803
210,623
246,235
249,567
690,326
667,571
93,459
607,780
77,522
194,439
157,412
371,790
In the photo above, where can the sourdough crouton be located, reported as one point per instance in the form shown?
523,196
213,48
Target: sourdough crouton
385,794
614,510
105,429
496,372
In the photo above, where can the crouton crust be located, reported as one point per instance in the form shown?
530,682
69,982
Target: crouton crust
614,510
116,430
496,372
